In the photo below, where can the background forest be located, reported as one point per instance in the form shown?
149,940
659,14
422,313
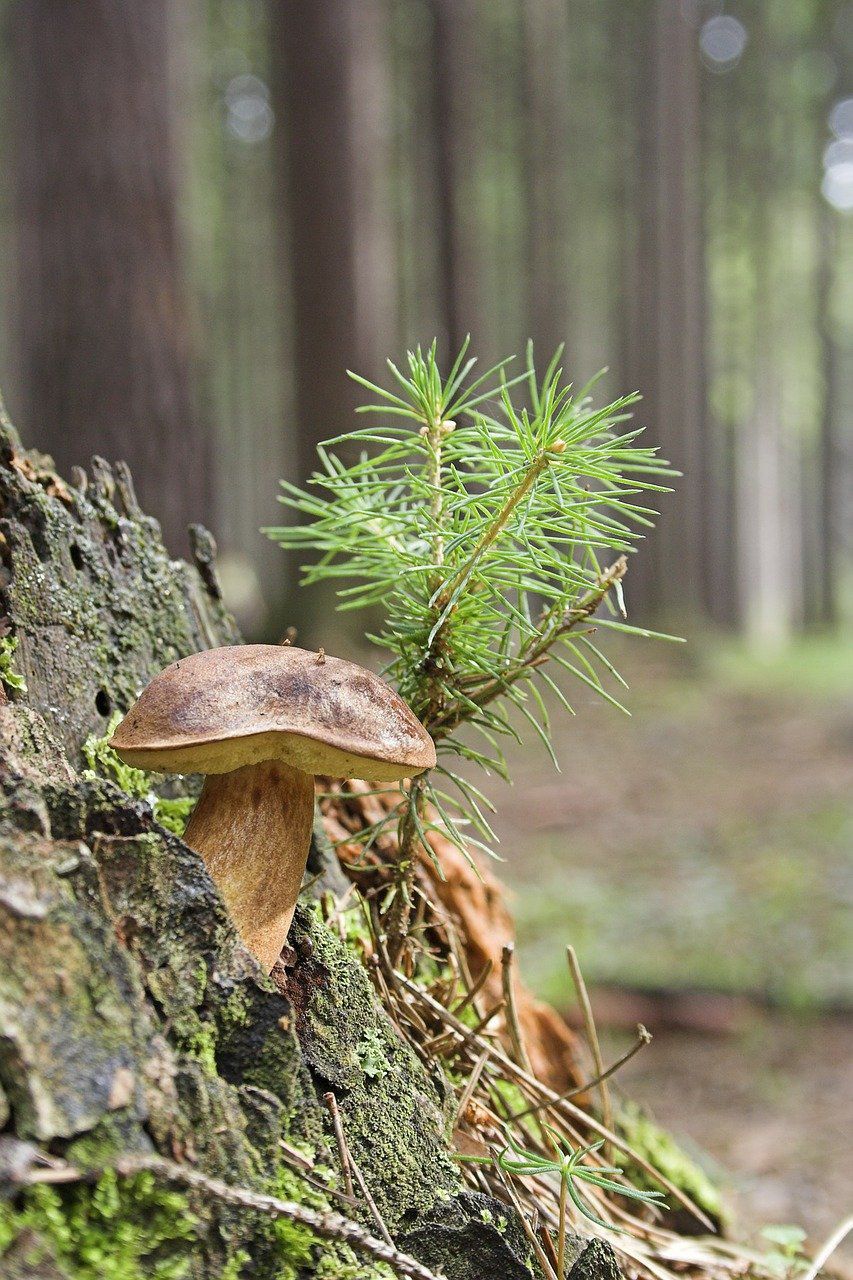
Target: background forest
212,208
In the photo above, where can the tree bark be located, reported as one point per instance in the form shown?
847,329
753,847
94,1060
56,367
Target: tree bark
103,334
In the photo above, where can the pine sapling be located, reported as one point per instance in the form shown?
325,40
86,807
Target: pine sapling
487,519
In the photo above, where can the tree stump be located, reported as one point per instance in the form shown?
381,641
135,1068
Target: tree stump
132,1019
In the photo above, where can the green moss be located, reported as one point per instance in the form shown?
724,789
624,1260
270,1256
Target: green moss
201,1045
269,1060
135,1229
234,1266
104,763
332,1267
297,1248
129,1229
171,812
663,1152
234,1011
112,1137
180,991
11,678
395,1115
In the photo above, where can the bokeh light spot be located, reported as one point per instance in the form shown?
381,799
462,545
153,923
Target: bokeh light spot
722,41
838,152
837,186
841,118
249,116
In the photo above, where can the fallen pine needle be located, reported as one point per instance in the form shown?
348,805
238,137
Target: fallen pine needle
575,1114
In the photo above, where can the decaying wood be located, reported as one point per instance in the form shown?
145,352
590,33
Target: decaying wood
132,1019
328,1225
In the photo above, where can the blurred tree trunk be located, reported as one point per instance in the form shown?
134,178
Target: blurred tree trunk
723,209
825,524
664,312
769,510
453,65
768,525
375,261
328,89
102,322
547,40
823,607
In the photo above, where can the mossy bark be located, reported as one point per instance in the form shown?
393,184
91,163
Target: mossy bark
131,1016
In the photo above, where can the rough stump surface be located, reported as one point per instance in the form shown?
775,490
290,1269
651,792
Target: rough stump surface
132,1019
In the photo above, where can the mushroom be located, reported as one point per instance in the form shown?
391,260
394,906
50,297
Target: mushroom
260,721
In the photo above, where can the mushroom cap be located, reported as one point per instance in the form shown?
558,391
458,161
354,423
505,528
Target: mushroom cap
222,709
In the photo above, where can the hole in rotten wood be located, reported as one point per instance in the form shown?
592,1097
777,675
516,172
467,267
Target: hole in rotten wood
103,703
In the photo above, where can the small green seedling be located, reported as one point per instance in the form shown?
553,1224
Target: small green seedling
568,1165
787,1256
476,518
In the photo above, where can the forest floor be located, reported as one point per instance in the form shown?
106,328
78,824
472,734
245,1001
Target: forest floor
699,856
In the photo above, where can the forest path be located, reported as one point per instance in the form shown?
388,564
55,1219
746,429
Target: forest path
704,842
706,845
770,1103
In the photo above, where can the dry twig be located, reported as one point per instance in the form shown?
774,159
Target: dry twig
644,1037
513,1026
340,1139
826,1251
592,1036
328,1225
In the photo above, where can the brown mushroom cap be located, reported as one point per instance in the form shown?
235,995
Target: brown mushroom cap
225,708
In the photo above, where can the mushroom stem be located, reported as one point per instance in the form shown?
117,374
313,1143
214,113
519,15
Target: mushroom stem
253,826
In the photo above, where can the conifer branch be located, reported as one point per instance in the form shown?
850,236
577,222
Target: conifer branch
466,514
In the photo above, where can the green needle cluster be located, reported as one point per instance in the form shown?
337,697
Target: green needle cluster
485,519
569,1167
